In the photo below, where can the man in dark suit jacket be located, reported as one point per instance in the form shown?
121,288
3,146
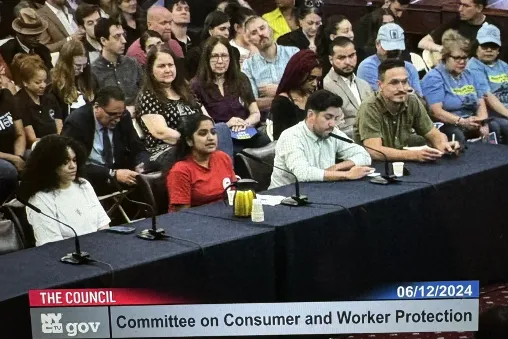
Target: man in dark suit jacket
28,27
114,149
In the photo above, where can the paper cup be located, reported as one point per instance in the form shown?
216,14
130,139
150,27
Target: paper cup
398,168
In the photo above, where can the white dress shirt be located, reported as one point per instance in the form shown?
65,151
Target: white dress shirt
302,152
353,87
65,18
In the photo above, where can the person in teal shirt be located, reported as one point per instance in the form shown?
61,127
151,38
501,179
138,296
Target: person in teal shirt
453,95
493,74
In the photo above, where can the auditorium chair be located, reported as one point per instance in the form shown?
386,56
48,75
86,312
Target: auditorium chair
248,168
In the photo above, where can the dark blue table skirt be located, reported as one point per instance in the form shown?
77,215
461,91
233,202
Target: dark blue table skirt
451,224
237,265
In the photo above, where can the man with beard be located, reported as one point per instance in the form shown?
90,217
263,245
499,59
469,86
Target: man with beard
342,81
159,19
307,150
265,69
385,120
389,45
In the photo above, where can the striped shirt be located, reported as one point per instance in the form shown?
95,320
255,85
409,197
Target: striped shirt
263,72
303,153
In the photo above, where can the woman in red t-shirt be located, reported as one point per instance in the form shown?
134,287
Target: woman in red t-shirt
202,172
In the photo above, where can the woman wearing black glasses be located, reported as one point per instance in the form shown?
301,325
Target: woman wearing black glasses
454,95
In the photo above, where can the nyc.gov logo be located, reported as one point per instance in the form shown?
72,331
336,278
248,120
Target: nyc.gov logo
52,324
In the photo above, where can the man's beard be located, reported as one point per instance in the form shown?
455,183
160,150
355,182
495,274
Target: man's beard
342,73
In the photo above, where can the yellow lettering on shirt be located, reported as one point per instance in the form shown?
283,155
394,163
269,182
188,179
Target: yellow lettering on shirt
465,90
498,79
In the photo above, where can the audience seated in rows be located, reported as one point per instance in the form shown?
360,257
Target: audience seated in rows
12,145
341,80
299,81
28,27
467,24
87,17
389,44
307,36
113,148
385,120
54,182
201,173
226,93
112,68
237,17
72,81
493,73
265,68
454,95
61,25
308,151
216,24
38,109
159,19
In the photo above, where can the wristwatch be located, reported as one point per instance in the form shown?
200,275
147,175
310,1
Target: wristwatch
112,173
457,123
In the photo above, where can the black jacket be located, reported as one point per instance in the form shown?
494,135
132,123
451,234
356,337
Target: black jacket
128,150
12,47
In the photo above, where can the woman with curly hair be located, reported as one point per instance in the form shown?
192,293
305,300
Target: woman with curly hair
53,182
73,83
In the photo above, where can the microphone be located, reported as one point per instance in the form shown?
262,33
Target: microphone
75,258
385,179
153,233
295,200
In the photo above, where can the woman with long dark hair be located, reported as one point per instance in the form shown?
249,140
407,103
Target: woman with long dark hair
73,83
216,24
53,182
308,35
226,92
164,99
201,172
300,79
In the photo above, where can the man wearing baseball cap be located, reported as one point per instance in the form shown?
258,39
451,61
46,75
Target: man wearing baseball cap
389,45
28,27
492,72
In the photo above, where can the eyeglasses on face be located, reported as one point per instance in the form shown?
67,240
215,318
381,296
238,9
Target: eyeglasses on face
215,57
458,58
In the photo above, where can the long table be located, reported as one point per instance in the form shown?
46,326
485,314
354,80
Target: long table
448,223
234,264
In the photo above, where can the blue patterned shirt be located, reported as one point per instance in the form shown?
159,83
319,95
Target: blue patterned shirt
263,72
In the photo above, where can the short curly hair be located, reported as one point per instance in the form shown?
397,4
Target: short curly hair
451,41
40,174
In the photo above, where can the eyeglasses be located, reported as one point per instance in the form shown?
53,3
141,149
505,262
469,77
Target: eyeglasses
458,58
113,115
215,57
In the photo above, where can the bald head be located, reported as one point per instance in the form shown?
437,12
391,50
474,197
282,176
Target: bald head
159,19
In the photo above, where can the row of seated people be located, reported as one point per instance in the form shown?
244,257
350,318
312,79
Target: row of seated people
262,37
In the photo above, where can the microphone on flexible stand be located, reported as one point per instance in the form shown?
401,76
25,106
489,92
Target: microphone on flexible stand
153,233
75,258
295,200
385,179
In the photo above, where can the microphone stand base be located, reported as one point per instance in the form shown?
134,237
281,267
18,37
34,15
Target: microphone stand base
152,234
385,180
295,201
76,258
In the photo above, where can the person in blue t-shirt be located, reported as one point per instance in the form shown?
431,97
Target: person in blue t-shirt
454,96
389,45
493,73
